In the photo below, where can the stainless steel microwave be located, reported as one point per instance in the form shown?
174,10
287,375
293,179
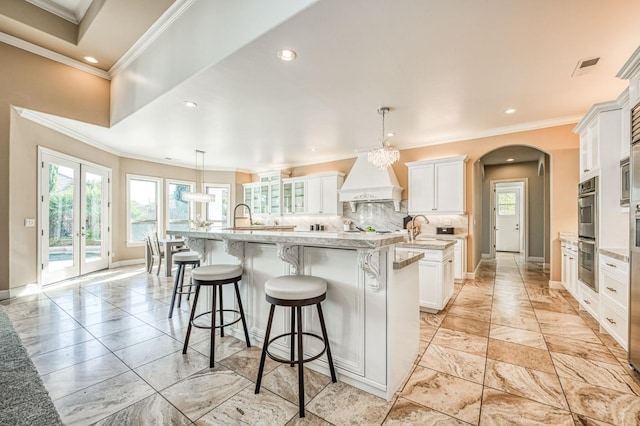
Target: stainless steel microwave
625,182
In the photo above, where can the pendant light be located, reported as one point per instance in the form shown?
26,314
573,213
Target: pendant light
199,197
385,155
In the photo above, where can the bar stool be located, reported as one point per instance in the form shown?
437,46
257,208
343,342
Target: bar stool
182,259
295,291
215,276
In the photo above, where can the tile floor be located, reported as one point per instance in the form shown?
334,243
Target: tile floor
506,350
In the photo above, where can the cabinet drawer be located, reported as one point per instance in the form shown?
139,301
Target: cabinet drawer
615,322
614,288
588,301
613,265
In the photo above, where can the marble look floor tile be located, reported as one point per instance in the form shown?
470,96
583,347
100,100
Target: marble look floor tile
309,419
559,305
581,420
172,368
557,318
92,317
41,307
478,328
445,393
251,409
459,340
499,409
341,404
131,336
151,411
113,326
595,372
427,332
516,319
66,357
247,361
584,334
525,382
405,412
433,320
523,356
37,345
225,346
39,326
454,362
102,400
518,335
283,381
142,353
82,375
470,313
602,404
201,392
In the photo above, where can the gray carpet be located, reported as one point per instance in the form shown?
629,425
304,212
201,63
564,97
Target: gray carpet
23,398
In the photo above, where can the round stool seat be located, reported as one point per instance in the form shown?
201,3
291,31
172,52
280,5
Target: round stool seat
295,287
186,256
216,272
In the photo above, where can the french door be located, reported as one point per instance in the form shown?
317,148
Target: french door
74,217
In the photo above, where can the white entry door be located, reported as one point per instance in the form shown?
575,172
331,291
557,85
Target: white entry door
507,219
74,216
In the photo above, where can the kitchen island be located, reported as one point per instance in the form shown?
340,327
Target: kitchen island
371,310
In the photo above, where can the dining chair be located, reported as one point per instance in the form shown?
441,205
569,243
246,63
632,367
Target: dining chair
154,248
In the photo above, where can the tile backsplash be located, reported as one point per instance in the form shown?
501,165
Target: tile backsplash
380,216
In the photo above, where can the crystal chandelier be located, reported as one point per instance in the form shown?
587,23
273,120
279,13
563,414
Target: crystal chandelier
199,197
385,155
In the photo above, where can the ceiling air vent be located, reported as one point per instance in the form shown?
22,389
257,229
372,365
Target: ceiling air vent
585,66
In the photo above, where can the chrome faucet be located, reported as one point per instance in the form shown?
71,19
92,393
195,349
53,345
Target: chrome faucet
412,230
236,217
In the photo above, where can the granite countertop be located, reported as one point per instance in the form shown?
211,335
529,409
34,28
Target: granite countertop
443,236
354,240
406,258
616,253
429,244
568,237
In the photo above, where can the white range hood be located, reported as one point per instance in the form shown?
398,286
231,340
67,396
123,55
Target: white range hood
367,183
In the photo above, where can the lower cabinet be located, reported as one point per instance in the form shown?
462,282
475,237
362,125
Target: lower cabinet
570,268
436,279
614,298
459,260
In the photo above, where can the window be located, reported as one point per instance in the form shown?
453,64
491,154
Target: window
144,198
178,212
506,204
218,210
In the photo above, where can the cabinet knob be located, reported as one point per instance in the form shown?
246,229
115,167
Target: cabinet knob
611,321
585,170
611,289
586,301
571,258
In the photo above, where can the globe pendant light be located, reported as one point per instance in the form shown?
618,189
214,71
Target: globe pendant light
385,155
199,197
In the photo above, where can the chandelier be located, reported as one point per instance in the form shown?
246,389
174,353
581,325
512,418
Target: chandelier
385,155
199,197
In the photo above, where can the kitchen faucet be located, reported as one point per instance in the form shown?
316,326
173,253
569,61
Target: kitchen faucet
412,230
236,217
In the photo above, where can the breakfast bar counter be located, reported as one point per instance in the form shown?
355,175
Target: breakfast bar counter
371,310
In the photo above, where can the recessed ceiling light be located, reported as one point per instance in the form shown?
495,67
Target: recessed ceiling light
91,59
287,54
390,134
510,160
312,149
509,111
190,104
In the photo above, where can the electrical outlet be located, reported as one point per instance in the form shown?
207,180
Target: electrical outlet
447,222
29,223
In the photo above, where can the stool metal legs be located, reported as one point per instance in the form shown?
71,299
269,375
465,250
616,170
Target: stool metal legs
300,362
178,285
263,357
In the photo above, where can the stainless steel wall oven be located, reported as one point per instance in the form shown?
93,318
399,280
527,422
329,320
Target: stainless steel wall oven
588,232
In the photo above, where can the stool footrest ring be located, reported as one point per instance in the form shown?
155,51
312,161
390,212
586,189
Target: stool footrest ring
288,361
208,327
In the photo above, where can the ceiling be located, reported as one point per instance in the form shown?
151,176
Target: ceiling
448,70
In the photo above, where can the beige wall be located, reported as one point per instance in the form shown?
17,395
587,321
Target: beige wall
33,82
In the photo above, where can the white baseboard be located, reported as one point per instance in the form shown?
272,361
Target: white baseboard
486,256
4,294
535,259
546,267
129,262
556,284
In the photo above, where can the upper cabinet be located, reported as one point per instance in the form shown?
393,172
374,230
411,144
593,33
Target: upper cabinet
600,138
264,197
437,186
316,194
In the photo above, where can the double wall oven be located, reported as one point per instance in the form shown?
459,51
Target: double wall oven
588,232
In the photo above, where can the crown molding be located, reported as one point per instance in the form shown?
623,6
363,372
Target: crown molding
631,68
158,27
593,113
50,54
57,10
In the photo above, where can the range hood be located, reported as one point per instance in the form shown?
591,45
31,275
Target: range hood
367,183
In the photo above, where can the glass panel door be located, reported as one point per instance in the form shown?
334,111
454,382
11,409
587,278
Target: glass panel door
74,218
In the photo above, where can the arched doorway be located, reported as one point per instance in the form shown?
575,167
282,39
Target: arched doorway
515,200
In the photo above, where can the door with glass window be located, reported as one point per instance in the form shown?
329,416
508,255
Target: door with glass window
507,219
74,215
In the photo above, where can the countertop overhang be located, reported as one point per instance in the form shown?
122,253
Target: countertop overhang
305,238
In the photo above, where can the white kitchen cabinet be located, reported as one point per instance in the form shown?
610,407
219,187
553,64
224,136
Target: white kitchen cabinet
437,186
589,300
322,194
600,135
293,196
614,298
625,125
436,279
589,151
264,197
459,260
570,267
